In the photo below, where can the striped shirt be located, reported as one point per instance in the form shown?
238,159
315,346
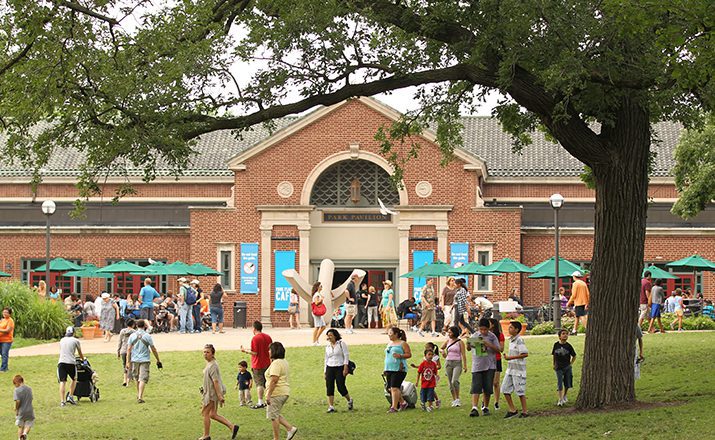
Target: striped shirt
517,367
460,301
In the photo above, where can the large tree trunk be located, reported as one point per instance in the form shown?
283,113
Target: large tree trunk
620,221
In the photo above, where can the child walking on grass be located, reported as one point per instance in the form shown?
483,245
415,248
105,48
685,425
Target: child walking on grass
435,359
244,383
427,377
515,376
24,413
564,356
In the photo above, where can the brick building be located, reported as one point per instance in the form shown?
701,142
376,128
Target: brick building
312,187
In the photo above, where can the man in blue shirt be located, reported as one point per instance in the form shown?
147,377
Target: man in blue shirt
139,358
148,294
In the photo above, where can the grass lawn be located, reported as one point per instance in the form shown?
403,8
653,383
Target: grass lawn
26,342
678,368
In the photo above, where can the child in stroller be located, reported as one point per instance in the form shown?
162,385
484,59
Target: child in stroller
162,320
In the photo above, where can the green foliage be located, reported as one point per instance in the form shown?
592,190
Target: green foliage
694,171
545,328
34,317
670,321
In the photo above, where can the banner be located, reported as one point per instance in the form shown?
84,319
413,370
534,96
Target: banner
419,259
283,260
458,254
249,267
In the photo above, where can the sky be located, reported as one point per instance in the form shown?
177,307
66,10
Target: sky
402,100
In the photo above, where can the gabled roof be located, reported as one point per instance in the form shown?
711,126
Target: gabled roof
485,145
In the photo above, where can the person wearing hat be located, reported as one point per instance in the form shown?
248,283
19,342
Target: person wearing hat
580,297
186,321
196,308
66,365
108,315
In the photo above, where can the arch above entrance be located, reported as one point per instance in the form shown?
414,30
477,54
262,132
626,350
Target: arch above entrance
333,159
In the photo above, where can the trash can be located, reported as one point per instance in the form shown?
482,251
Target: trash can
239,314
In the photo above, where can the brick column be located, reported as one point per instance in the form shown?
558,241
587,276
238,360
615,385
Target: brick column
266,269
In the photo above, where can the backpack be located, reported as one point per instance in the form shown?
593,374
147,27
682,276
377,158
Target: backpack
190,296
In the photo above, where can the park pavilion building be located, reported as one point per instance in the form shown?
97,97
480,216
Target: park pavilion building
309,190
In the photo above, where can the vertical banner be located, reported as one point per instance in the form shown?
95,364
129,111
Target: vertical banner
249,267
458,254
282,260
419,259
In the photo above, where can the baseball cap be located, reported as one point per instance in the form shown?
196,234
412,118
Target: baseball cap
577,274
105,295
69,331
181,280
195,281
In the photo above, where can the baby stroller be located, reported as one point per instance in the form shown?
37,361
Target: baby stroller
86,381
409,392
163,325
206,322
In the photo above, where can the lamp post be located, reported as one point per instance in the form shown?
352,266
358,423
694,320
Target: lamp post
556,201
48,208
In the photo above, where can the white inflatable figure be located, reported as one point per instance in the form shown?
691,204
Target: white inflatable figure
325,277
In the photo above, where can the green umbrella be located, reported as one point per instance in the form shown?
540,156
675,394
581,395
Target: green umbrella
472,268
59,264
175,268
88,270
694,263
546,269
656,272
507,265
199,269
124,267
436,269
3,274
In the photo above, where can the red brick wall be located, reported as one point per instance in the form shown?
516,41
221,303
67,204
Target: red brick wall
283,238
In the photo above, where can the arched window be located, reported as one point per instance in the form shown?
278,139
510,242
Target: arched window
354,183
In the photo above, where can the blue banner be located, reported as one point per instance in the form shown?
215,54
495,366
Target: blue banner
283,260
249,267
419,259
458,254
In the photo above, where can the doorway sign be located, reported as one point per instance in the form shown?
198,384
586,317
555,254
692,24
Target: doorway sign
419,259
283,260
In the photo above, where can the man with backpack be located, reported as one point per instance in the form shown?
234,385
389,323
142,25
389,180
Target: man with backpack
187,299
139,358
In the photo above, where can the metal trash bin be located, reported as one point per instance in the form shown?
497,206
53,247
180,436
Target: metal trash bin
239,314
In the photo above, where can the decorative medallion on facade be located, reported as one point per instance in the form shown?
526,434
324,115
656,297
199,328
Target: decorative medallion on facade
354,183
285,189
423,189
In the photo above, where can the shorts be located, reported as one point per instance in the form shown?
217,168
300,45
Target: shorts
427,395
679,312
499,367
428,315
140,371
513,384
66,370
318,321
24,423
259,376
351,309
216,314
273,410
482,382
564,378
642,311
395,378
655,310
448,315
581,311
147,313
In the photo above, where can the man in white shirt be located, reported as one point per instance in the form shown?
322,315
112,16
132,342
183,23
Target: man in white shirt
66,365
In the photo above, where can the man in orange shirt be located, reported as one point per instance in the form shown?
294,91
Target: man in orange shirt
7,331
580,297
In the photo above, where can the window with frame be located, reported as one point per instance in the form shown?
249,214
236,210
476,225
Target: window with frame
226,269
484,257
127,284
354,183
66,284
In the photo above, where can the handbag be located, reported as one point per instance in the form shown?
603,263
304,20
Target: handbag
351,364
318,309
292,309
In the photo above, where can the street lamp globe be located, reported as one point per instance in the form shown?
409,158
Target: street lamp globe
556,200
48,207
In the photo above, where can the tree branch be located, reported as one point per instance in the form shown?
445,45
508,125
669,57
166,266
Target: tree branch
86,11
17,58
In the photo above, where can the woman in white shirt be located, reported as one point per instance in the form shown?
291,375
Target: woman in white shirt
318,321
336,368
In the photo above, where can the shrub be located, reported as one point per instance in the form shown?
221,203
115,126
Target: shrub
545,328
34,317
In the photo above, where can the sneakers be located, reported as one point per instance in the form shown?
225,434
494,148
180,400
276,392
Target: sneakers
485,411
565,399
573,333
438,403
140,400
429,409
510,414
415,328
424,407
291,433
483,407
350,405
474,412
419,332
391,410
331,409
435,334
403,406
457,403
242,404
496,406
316,344
523,415
258,406
63,404
560,402
453,404
70,400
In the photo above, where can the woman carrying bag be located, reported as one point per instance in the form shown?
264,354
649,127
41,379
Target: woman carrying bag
337,368
318,310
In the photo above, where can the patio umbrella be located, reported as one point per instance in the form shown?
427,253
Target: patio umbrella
3,274
657,272
88,270
472,268
507,266
546,269
175,268
124,266
436,269
59,264
199,269
694,263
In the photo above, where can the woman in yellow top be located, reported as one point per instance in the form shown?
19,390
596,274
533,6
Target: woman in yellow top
213,394
278,390
7,332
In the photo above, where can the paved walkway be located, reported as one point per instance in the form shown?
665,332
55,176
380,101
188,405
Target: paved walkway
231,340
